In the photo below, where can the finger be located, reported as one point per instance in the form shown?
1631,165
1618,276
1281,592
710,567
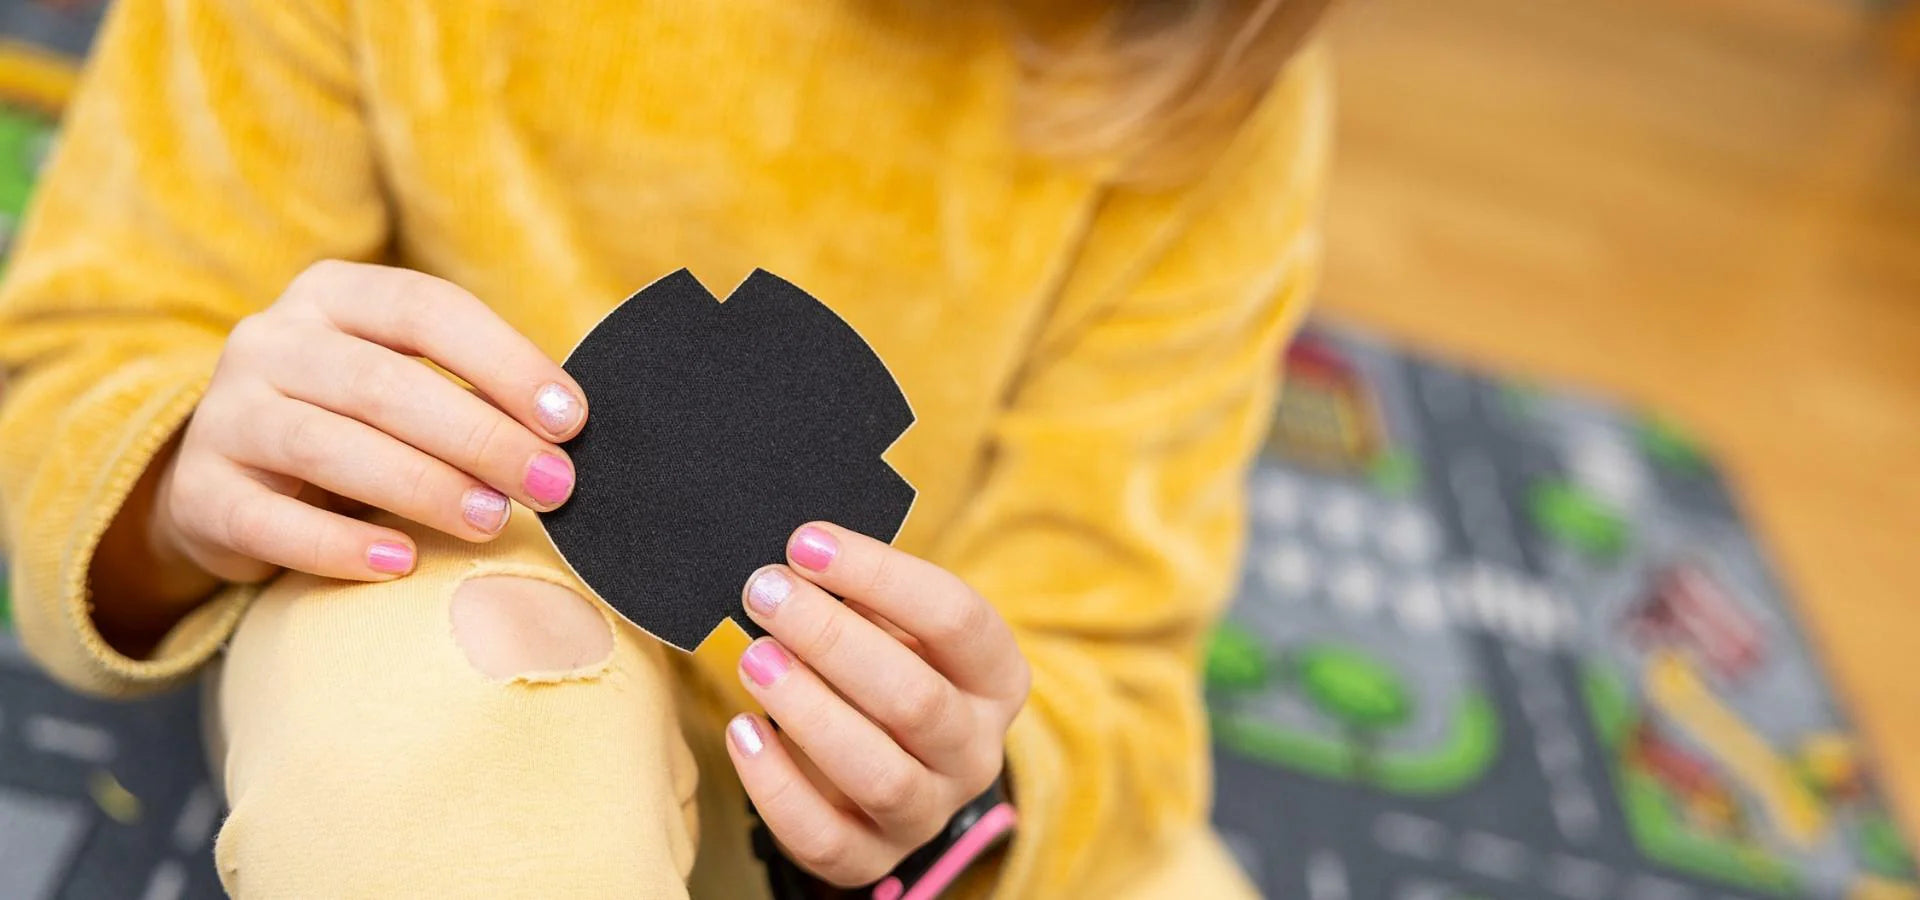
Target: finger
421,315
958,630
189,487
404,398
352,459
892,787
897,689
909,641
252,522
819,836
332,502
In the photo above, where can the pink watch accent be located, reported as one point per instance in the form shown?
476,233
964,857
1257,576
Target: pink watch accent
996,822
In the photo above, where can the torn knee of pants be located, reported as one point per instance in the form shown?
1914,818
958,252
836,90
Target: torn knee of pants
513,628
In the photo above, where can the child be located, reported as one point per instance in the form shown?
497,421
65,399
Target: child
1077,231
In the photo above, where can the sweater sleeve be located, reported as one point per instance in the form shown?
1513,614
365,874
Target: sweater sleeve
214,149
1109,523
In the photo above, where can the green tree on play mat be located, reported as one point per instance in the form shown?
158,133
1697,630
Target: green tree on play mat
1237,660
1364,695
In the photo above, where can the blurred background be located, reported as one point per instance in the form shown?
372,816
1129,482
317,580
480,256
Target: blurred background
1586,550
1710,208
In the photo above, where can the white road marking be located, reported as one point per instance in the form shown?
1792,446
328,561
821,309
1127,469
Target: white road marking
1528,614
1476,485
1342,517
1276,499
1606,465
1506,603
168,882
1483,600
1418,605
1424,890
1537,615
1326,876
1558,750
1492,856
1288,570
1580,879
1574,810
1410,537
1410,835
1653,887
1500,858
197,815
65,737
1355,588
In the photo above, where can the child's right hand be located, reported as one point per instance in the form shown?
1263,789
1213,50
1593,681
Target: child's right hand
316,399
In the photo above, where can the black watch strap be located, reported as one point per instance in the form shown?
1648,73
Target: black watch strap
979,828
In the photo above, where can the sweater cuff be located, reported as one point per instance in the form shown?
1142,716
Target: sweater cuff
1039,782
99,449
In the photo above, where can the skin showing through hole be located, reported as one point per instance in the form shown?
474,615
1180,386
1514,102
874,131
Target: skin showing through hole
511,627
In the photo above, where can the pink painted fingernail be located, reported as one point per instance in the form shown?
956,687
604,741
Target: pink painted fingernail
744,731
390,557
485,509
549,479
557,409
765,661
768,590
813,548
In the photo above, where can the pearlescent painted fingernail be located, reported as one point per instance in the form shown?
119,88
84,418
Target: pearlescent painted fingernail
389,557
549,479
765,661
813,548
485,509
768,590
744,731
557,409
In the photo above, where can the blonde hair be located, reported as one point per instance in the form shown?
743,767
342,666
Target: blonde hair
1152,86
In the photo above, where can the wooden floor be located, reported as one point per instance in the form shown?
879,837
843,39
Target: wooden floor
1708,207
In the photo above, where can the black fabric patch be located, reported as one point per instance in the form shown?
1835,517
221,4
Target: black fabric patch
714,430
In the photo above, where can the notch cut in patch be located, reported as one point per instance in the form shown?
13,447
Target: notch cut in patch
717,429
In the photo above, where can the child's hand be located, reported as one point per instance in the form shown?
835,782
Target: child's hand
900,701
316,399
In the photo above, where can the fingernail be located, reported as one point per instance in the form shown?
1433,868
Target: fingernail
744,731
813,548
389,557
485,509
557,409
768,590
764,662
549,479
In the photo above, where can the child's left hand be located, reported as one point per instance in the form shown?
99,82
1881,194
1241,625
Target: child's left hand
900,700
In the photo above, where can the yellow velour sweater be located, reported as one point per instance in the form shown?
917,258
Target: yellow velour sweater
1092,366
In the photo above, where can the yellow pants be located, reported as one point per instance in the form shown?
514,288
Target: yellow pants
365,755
